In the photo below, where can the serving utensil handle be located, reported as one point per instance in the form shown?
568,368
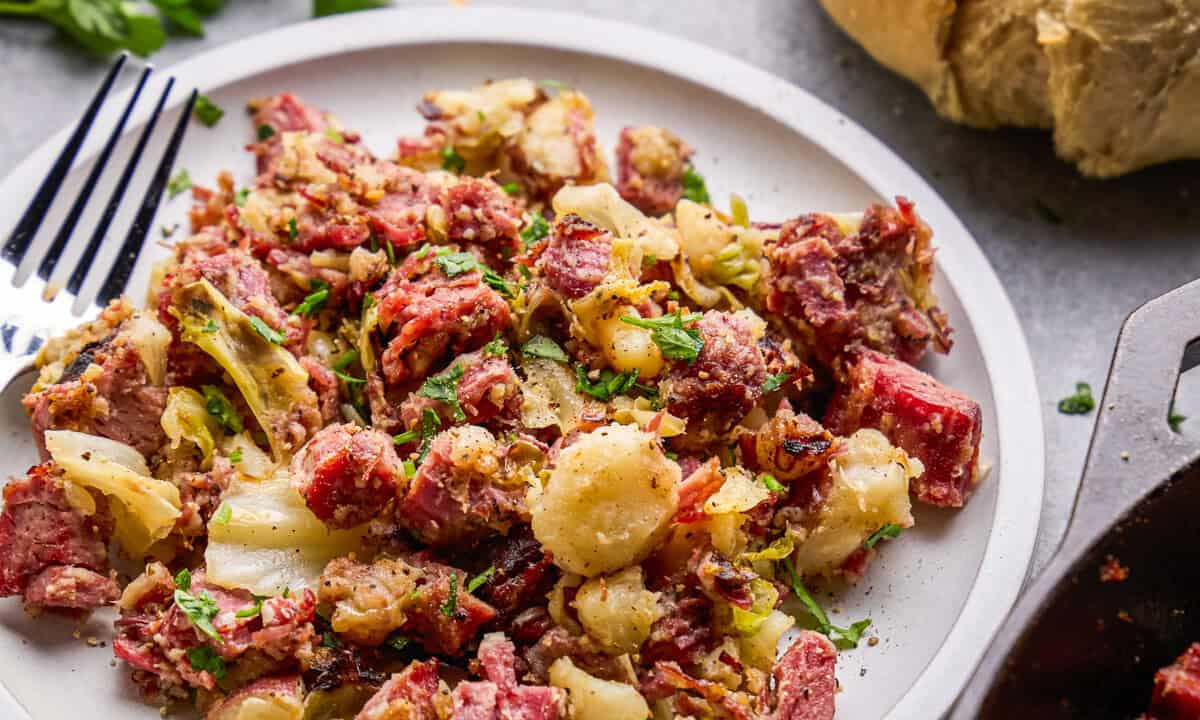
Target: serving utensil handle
1133,451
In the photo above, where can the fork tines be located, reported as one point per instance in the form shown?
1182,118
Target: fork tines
19,243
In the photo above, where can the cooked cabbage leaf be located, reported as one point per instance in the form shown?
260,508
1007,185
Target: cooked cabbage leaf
145,509
186,418
271,540
602,205
268,376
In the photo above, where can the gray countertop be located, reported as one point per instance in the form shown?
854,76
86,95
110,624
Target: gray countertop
1073,273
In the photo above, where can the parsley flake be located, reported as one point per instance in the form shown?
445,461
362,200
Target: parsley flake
183,579
200,611
430,423
240,196
774,382
452,161
293,231
608,385
268,333
204,657
1174,419
668,333
397,642
694,188
235,456
451,605
890,531
210,327
345,360
479,580
511,188
406,437
1081,403
219,407
496,347
843,638
207,111
253,610
444,387
180,183
314,301
537,229
265,132
540,346
771,483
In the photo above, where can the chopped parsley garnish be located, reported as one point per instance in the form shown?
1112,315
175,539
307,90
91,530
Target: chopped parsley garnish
180,183
451,603
321,8
219,407
455,264
183,579
452,161
771,483
444,387
478,581
349,379
207,111
314,301
843,638
1081,403
1174,419
673,295
265,132
774,382
204,657
668,333
330,640
608,386
511,188
391,251
235,456
200,611
223,513
293,231
650,392
406,437
673,456
694,188
397,642
210,327
496,347
410,468
537,229
335,136
345,360
540,346
430,422
253,610
239,198
268,333
890,531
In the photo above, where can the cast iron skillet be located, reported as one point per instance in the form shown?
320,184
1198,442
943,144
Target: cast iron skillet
1076,647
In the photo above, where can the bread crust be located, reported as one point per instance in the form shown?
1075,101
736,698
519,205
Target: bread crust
1118,81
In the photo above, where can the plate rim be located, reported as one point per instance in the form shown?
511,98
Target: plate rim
1006,357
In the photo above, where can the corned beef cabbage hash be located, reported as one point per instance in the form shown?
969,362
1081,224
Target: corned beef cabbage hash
473,432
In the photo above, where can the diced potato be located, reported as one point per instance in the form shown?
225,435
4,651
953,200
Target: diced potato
608,501
594,699
597,319
617,610
272,698
870,490
549,145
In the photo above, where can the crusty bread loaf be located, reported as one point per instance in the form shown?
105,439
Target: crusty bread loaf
1117,80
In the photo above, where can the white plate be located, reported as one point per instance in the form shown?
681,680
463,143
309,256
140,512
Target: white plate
936,596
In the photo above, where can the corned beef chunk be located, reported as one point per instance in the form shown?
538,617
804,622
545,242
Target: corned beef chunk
576,258
867,288
805,686
455,497
651,162
106,390
936,424
1177,688
717,389
433,310
347,474
486,388
52,554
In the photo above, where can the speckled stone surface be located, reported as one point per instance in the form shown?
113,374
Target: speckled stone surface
1076,256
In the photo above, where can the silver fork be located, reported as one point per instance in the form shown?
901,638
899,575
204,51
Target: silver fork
33,310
